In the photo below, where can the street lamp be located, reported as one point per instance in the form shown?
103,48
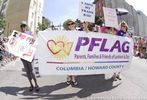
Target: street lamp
121,11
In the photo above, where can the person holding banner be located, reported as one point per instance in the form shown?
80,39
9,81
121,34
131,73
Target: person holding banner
87,27
122,32
28,65
71,26
108,30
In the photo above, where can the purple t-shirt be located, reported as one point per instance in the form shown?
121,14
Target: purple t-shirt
121,33
28,32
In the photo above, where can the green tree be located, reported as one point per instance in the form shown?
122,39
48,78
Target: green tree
99,20
0,2
95,1
46,23
2,22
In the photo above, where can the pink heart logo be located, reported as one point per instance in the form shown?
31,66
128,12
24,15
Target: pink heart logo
55,47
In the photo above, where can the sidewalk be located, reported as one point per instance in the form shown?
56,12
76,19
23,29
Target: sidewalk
12,65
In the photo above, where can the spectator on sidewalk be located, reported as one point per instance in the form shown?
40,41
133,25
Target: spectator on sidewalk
143,43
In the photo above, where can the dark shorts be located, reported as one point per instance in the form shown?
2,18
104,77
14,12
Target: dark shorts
28,68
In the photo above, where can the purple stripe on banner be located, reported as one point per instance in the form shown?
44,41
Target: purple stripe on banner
88,62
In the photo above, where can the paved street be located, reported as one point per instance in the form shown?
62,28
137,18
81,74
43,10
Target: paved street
14,85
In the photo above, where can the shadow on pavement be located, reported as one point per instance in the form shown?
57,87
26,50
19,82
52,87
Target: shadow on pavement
44,91
94,84
88,84
12,90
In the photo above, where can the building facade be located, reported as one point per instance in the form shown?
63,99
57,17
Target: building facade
137,21
23,10
99,8
142,23
35,14
3,7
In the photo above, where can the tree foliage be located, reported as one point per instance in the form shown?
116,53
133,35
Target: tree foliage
0,2
99,20
2,22
46,23
95,1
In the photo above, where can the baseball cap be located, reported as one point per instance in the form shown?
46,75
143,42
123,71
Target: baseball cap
23,23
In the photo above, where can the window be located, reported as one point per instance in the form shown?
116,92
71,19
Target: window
34,3
32,15
31,25
38,19
40,5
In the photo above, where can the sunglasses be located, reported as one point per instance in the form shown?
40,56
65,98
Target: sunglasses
71,23
123,26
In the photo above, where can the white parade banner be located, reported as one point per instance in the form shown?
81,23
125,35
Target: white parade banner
21,45
87,12
110,17
81,53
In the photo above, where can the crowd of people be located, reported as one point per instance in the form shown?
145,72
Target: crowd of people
5,56
88,27
140,47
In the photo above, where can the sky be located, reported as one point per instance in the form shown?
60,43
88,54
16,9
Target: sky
57,11
139,5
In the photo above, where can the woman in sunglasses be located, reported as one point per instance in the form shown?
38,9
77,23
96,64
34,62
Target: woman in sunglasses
70,26
122,32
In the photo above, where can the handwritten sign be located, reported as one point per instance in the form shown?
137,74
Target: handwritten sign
87,12
21,45
110,17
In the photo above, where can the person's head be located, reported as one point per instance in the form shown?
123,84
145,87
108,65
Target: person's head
131,35
91,26
143,39
23,26
124,26
111,30
70,25
84,26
